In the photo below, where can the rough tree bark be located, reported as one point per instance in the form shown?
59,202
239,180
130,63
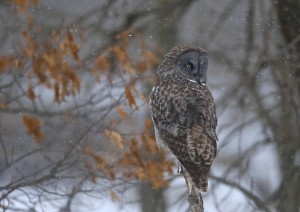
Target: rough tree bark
287,130
152,200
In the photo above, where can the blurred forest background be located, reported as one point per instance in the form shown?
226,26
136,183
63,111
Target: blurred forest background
75,78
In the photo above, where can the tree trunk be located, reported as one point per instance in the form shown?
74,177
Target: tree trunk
288,126
152,200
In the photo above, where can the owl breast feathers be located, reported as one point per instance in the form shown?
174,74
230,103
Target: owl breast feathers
183,111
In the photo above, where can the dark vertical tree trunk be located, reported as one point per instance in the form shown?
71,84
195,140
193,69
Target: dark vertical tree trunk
167,36
288,127
289,18
152,200
170,15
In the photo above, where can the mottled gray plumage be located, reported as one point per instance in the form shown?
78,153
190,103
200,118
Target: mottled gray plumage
183,111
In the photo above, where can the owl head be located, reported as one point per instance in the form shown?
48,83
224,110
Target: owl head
185,62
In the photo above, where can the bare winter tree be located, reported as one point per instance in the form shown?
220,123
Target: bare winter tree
63,108
74,85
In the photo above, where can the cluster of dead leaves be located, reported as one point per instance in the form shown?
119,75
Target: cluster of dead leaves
33,126
52,63
101,164
144,168
119,52
127,64
140,159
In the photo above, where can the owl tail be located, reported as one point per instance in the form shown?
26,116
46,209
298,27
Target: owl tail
199,176
201,184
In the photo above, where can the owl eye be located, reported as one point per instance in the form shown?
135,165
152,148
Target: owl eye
189,65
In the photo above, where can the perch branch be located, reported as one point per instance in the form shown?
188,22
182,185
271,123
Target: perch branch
195,198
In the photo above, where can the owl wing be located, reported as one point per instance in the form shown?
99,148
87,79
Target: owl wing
199,144
201,135
185,121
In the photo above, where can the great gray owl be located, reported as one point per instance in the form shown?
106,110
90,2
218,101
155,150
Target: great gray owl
183,111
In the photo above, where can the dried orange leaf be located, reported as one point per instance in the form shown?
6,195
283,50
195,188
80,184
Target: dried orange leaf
140,174
21,4
114,196
115,136
30,92
5,62
30,22
33,126
57,95
18,64
149,143
63,48
100,161
121,112
120,53
74,50
73,77
70,36
49,59
148,123
130,98
102,63
2,106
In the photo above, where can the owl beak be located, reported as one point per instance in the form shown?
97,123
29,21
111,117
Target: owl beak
201,75
202,69
201,81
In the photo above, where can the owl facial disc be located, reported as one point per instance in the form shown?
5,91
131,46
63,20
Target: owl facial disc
194,64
